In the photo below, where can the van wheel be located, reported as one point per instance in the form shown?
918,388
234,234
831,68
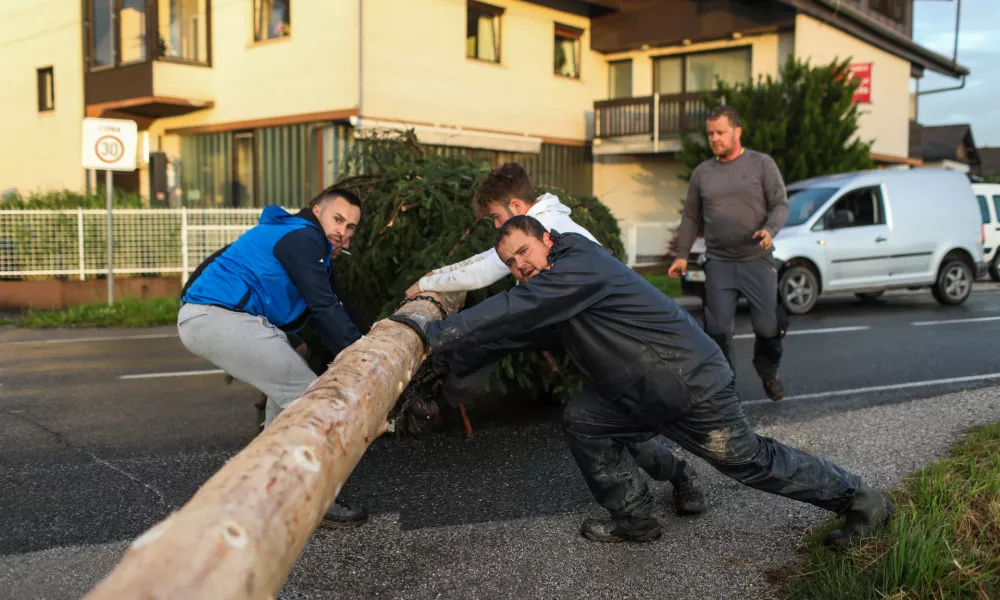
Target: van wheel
995,267
954,283
799,289
870,296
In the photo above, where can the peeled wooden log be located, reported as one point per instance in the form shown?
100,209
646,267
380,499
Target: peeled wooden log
242,532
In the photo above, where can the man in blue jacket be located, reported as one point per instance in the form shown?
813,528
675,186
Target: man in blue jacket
239,310
652,370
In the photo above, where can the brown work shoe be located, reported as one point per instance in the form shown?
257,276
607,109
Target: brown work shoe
774,389
622,529
688,497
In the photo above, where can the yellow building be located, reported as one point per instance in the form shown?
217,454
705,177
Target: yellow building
254,102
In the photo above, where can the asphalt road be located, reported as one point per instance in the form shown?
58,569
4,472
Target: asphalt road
102,436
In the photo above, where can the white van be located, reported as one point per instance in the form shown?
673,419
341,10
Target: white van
988,195
870,231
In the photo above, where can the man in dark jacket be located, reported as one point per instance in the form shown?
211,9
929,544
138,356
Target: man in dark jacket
652,371
240,308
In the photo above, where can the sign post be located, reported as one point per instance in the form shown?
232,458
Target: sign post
110,144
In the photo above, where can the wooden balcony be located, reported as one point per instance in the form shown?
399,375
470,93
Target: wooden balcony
647,124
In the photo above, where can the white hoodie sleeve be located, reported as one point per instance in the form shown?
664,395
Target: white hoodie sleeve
482,270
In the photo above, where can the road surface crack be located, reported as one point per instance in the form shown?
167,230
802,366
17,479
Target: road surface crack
97,459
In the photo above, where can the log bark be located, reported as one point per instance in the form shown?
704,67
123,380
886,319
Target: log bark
241,533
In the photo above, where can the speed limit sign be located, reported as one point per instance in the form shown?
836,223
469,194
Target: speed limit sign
109,144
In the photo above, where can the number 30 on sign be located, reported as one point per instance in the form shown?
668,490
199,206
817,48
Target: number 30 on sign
109,144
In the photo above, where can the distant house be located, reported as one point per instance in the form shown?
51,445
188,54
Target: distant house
945,147
989,161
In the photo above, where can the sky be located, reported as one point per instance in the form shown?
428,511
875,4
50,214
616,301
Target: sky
978,50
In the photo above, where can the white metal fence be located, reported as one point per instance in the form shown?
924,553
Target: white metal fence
47,243
73,243
646,242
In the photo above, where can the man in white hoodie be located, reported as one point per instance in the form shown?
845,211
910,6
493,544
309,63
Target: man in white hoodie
505,192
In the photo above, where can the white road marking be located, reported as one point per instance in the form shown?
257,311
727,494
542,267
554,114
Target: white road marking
173,374
150,336
948,321
879,388
744,336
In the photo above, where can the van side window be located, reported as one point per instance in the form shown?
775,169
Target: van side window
996,206
984,208
857,208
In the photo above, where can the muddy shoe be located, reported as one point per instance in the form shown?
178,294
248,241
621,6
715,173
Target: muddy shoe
624,529
688,497
343,516
870,509
774,389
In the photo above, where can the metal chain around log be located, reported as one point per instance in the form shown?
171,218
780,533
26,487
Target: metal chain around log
241,533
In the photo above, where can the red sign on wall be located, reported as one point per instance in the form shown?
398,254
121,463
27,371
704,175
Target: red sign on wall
862,71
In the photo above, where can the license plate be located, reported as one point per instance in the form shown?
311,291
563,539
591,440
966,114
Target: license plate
694,276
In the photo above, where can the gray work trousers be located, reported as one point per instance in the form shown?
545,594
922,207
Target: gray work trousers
250,349
757,281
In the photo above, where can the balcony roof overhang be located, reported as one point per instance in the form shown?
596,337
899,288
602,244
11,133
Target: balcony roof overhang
149,107
847,19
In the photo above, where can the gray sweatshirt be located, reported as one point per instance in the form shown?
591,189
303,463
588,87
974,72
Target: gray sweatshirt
737,198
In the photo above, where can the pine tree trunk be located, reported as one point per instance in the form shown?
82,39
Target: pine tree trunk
242,532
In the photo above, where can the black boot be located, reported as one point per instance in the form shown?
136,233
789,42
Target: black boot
343,516
688,497
870,509
622,529
774,389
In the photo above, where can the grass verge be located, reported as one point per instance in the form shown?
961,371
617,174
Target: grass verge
670,287
127,313
943,543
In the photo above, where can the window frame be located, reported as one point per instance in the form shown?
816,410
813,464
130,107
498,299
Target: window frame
879,208
683,56
253,24
152,38
40,75
631,86
497,12
561,30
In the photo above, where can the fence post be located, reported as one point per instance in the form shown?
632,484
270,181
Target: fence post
79,236
184,245
632,243
656,122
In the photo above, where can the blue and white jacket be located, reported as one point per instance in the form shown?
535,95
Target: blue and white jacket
279,270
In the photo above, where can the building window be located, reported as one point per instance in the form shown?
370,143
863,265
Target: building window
46,89
184,30
567,51
620,79
893,9
102,50
692,73
482,36
271,19
133,27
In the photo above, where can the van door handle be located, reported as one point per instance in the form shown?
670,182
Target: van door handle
880,239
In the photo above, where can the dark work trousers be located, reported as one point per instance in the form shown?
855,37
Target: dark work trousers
757,281
715,430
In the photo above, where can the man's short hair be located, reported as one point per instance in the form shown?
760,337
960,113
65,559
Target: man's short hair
502,185
527,225
726,111
334,192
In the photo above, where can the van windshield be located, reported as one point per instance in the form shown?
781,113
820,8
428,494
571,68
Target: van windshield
803,204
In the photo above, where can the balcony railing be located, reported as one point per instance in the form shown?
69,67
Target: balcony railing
657,116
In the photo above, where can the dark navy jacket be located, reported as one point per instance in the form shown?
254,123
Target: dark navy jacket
631,341
279,270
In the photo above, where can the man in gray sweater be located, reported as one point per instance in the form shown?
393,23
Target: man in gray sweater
740,196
